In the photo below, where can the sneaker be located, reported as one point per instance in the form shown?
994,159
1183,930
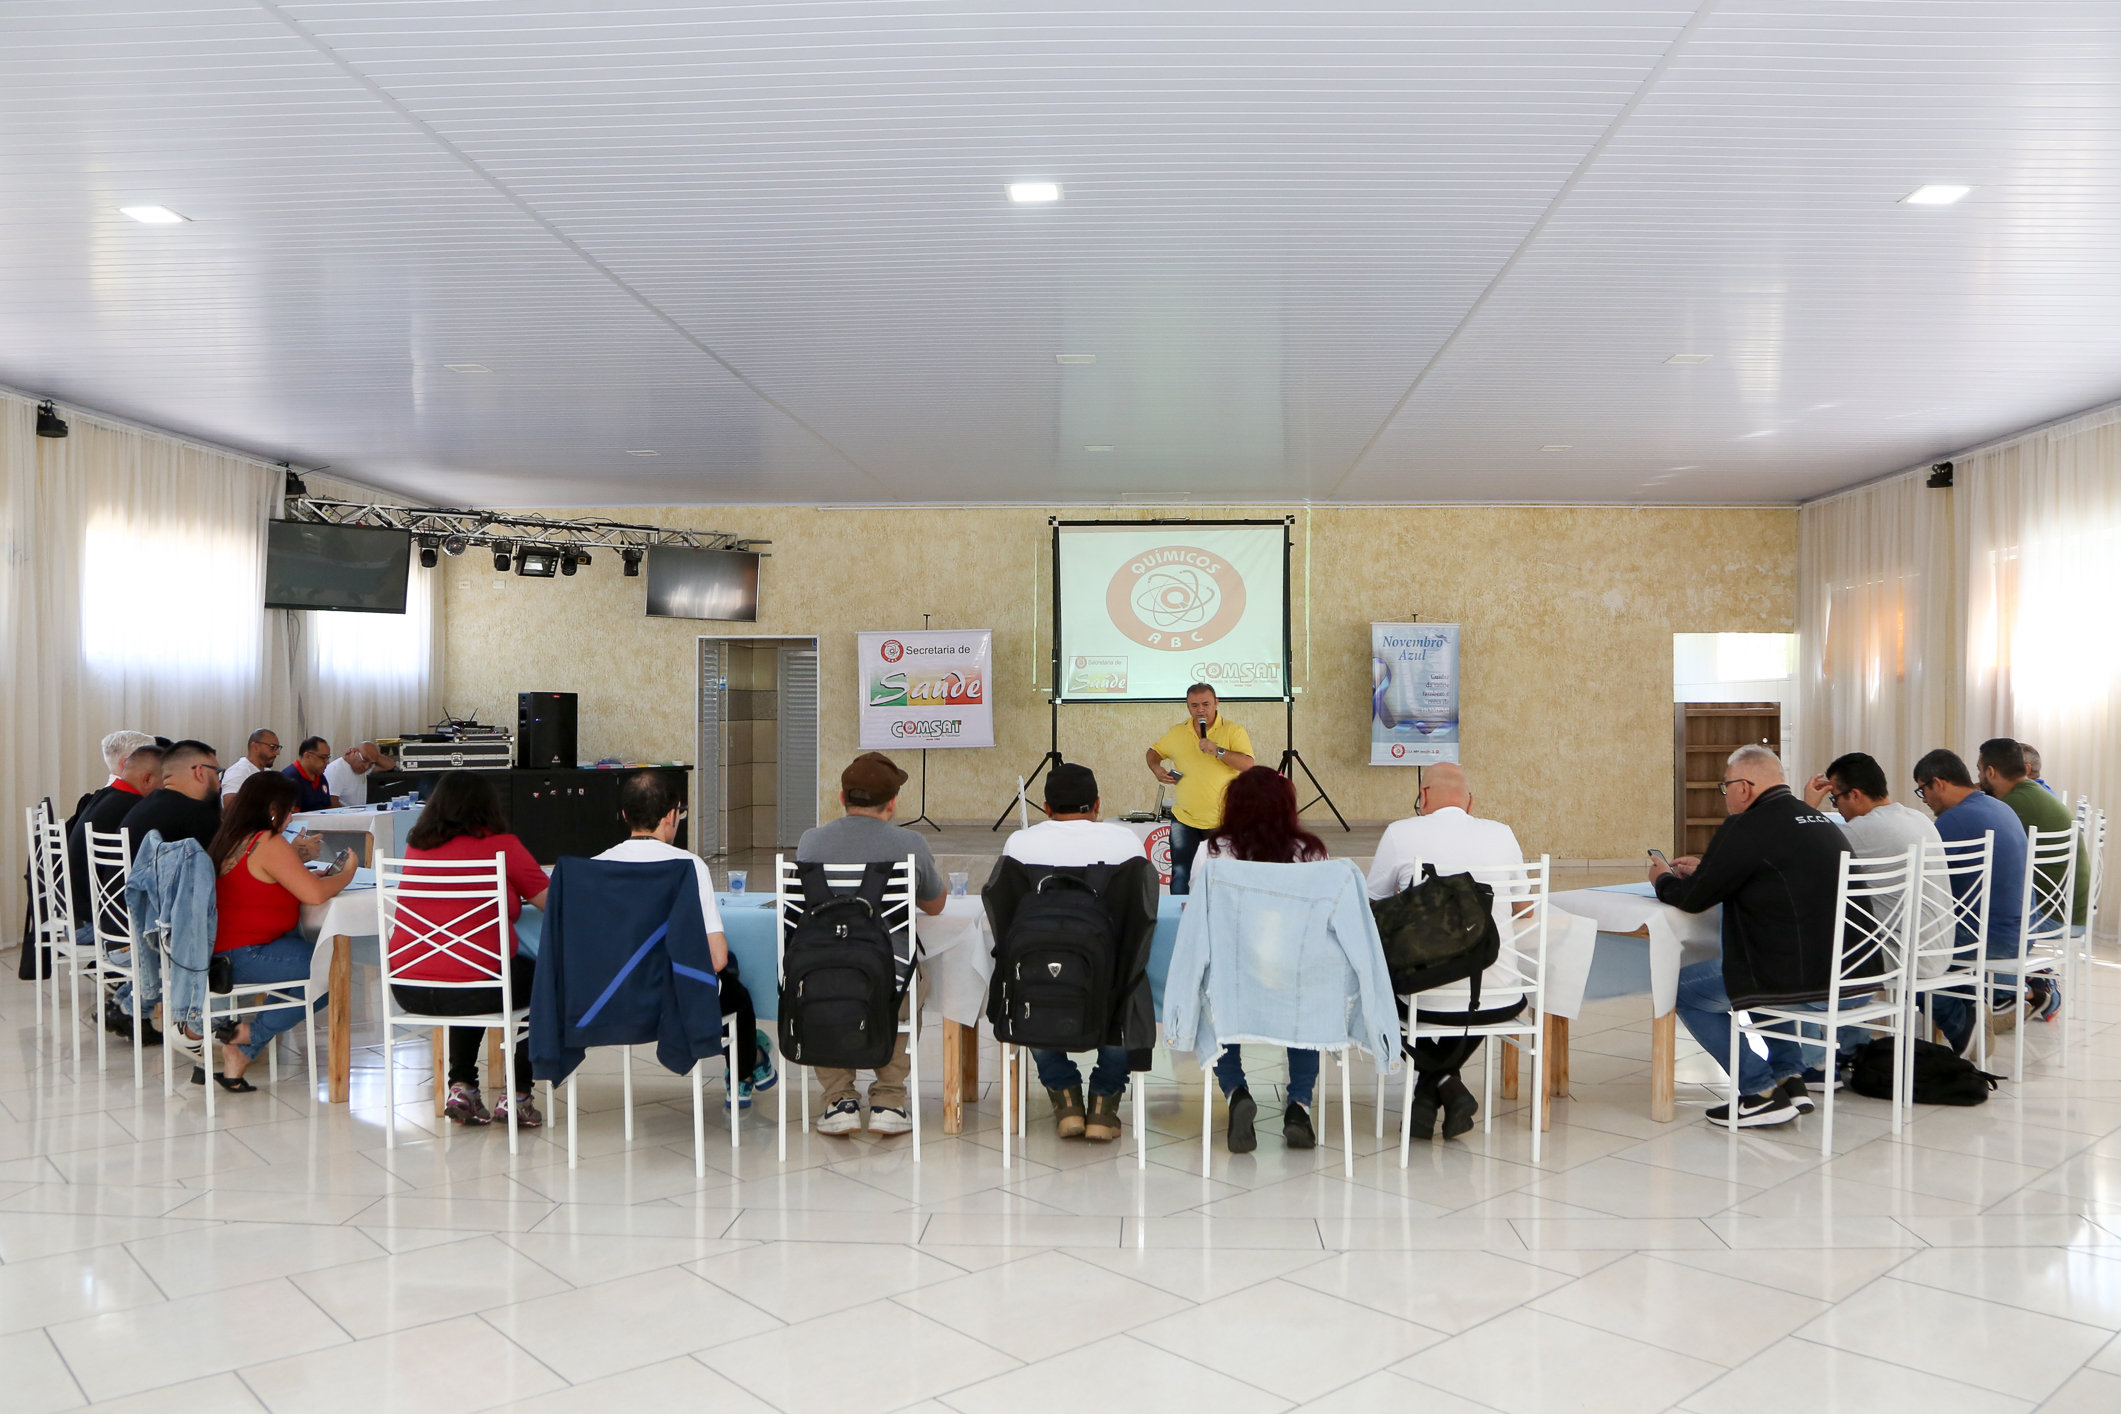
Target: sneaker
1797,1091
2049,1003
527,1116
743,1095
2003,1019
1243,1110
843,1118
885,1120
465,1107
1101,1125
1067,1112
1459,1106
1296,1131
1755,1111
1817,1079
763,1076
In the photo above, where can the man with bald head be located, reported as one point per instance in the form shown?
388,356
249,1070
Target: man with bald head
1775,866
347,777
1448,835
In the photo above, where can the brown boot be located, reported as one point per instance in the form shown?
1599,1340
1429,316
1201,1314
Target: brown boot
1067,1112
1102,1126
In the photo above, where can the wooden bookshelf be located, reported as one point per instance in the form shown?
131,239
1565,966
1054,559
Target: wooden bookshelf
1703,735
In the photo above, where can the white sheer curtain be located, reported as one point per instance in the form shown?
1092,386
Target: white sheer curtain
1874,627
2040,543
130,597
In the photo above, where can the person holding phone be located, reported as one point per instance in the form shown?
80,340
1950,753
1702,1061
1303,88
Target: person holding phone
260,885
1208,751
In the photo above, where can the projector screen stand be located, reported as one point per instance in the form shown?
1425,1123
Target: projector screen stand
1292,757
1051,758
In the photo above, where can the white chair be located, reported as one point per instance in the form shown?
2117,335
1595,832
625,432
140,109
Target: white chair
1873,953
2093,824
52,899
1017,1060
1521,893
1952,908
248,999
109,866
2045,947
902,916
476,938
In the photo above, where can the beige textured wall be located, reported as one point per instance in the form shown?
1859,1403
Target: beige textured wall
1567,652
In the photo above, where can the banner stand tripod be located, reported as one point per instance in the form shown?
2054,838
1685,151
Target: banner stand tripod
922,818
1290,756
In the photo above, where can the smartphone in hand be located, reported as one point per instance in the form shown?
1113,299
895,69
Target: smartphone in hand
1658,855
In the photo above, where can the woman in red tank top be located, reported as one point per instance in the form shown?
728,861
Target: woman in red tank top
260,886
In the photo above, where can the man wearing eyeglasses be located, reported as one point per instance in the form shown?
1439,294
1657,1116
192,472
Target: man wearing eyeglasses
1775,866
1965,812
188,806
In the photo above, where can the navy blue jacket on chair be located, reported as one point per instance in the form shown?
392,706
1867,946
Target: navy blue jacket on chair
624,961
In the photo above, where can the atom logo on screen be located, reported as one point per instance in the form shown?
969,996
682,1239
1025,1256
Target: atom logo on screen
1175,597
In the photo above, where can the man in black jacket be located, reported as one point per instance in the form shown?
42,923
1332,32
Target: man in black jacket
1775,867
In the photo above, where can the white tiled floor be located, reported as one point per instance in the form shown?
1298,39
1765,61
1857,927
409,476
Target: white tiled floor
279,1258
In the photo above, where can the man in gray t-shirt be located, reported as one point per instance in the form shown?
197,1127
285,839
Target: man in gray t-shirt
869,790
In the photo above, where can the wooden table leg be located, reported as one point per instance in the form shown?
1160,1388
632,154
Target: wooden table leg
441,1083
1557,1055
1509,1069
339,1012
1664,1062
957,1041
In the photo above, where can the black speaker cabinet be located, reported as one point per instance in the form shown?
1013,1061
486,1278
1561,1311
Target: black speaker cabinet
545,731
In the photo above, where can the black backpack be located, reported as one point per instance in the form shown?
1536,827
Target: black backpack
1056,971
1438,931
1941,1076
841,978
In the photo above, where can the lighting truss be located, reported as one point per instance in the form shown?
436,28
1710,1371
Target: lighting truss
507,527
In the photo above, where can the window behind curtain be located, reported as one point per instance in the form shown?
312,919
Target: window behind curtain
376,650
173,602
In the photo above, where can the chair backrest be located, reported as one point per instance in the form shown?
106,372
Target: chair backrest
1521,897
50,879
1874,921
1952,909
110,864
2094,822
471,898
2050,885
900,913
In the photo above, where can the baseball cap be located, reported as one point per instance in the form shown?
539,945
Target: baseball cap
1070,789
871,779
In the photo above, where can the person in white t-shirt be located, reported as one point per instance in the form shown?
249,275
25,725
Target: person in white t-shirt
263,751
650,805
347,777
1448,835
1071,836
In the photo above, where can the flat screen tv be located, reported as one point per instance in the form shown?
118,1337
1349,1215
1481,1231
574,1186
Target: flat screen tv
703,584
361,569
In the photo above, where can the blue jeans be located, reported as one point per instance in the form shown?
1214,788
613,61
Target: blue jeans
1185,839
1303,1073
1954,1015
1108,1077
1705,1008
285,957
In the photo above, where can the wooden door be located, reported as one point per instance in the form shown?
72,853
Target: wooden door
1704,734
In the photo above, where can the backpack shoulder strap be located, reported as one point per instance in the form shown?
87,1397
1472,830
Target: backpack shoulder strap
816,886
876,882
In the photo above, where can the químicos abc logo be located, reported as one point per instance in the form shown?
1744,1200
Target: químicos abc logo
930,727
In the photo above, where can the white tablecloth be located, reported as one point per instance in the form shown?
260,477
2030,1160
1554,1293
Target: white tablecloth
1624,908
958,955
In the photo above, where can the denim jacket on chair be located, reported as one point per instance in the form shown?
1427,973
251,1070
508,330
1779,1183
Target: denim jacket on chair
1280,954
171,891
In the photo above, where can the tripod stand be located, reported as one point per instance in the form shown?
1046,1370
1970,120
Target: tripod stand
1051,758
922,818
1290,756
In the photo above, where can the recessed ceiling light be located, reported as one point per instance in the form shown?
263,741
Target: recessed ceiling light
153,215
1075,358
1934,196
467,368
1763,432
1558,447
1100,448
1690,358
642,452
1029,192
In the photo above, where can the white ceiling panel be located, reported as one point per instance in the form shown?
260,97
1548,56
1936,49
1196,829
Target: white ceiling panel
1378,251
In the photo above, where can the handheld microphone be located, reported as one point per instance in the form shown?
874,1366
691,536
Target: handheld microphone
1200,729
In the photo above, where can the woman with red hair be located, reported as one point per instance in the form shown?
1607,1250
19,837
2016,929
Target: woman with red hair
1260,824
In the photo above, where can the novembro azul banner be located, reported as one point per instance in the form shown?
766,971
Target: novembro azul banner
1413,694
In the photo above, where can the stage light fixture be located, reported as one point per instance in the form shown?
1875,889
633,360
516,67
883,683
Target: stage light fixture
455,545
1940,477
503,555
49,423
537,562
567,563
581,557
632,558
430,552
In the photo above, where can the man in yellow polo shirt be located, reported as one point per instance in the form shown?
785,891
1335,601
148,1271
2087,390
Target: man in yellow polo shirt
1208,750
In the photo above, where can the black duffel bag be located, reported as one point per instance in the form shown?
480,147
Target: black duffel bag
1439,931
